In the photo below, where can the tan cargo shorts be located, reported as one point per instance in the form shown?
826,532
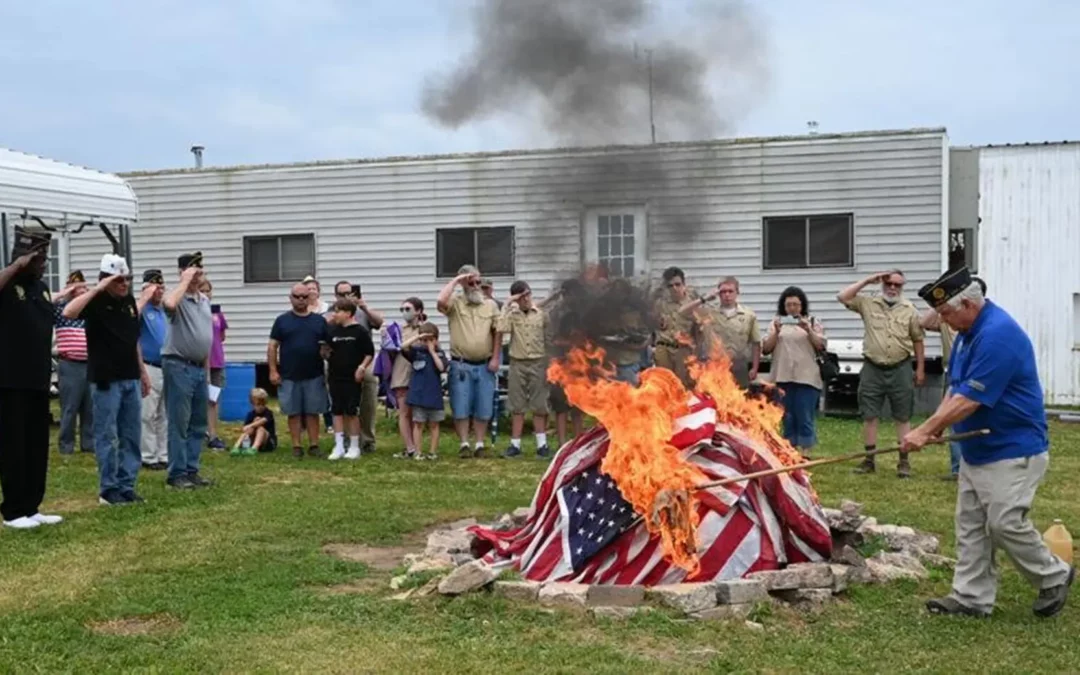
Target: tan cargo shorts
528,387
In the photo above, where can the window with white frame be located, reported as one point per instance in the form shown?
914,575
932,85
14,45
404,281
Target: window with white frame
792,242
962,249
285,257
491,249
616,237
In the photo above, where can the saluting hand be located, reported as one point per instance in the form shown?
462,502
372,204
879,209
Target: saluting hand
106,282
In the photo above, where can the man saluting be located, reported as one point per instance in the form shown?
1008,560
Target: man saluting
993,384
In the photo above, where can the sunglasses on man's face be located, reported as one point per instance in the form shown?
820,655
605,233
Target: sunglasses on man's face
300,297
894,284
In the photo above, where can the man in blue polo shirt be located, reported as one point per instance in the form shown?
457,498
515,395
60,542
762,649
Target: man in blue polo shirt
153,329
993,384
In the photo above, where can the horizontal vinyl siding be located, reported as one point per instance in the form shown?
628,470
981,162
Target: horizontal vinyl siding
375,222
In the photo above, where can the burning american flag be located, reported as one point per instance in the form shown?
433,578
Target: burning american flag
583,524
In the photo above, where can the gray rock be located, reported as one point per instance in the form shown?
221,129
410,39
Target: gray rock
520,515
616,613
724,612
939,561
887,567
841,578
562,594
869,524
847,555
615,596
754,626
468,577
802,575
436,563
397,582
503,523
403,596
518,590
806,598
445,542
461,558
687,598
740,591
430,588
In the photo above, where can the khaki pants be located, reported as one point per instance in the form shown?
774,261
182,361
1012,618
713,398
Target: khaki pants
369,402
155,427
674,359
992,507
527,387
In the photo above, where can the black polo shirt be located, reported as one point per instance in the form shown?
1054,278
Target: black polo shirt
26,325
112,338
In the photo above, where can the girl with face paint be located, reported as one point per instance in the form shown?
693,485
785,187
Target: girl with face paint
412,316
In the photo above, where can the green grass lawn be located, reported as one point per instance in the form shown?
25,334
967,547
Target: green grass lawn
233,578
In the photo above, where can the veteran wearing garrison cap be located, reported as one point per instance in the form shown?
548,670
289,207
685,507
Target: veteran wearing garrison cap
184,362
153,329
26,326
993,384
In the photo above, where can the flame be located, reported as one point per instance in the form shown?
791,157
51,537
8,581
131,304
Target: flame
640,422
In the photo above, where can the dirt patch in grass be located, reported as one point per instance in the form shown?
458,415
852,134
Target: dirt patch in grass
154,624
380,558
64,506
366,585
301,477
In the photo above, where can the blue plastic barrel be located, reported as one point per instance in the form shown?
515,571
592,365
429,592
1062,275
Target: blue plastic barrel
233,404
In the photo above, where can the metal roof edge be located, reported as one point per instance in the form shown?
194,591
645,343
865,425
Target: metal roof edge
578,150
1026,144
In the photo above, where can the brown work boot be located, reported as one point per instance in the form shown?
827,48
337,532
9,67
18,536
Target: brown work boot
903,467
867,466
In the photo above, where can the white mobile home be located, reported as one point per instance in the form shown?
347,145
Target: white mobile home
816,211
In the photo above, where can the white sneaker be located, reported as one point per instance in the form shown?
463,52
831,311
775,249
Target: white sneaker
23,523
44,519
337,454
353,453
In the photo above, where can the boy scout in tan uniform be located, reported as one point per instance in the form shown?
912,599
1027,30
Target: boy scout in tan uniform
526,324
893,334
735,328
674,344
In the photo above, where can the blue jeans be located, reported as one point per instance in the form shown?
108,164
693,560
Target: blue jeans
117,434
472,391
800,413
629,373
954,458
186,398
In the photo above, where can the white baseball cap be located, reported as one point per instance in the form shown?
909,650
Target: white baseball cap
114,264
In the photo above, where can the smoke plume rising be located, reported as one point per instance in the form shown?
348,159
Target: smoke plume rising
579,68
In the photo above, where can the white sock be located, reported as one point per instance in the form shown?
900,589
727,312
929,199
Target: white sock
541,439
479,445
354,441
339,440
515,442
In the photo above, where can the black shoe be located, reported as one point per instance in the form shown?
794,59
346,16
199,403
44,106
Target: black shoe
903,469
952,607
464,452
367,449
133,498
198,481
313,451
543,452
150,466
867,466
181,483
480,452
1052,600
298,452
511,452
111,498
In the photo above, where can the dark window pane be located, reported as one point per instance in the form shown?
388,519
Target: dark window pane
602,228
628,224
603,246
297,257
628,267
615,267
785,242
495,250
628,244
616,246
455,248
261,260
830,240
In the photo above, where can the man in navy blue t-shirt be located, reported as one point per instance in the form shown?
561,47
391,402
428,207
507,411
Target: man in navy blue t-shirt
993,384
298,344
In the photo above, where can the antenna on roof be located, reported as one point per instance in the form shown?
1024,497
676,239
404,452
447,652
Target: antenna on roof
811,127
197,150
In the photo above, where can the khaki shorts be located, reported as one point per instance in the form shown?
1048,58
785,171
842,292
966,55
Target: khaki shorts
528,387
895,384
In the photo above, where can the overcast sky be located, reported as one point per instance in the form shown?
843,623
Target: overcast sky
132,84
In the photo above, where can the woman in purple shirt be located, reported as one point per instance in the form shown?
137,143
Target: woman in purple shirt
217,365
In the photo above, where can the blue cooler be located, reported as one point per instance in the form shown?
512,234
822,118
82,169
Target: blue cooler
233,403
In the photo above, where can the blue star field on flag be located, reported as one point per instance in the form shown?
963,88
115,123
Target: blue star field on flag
596,514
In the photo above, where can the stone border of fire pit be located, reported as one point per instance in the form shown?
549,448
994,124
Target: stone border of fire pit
899,553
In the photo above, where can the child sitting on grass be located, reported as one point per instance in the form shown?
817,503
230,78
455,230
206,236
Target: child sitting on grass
425,397
258,433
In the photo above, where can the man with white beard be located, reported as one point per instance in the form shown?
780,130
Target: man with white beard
892,335
475,348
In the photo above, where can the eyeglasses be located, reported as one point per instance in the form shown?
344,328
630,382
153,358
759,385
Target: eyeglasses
300,297
892,284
